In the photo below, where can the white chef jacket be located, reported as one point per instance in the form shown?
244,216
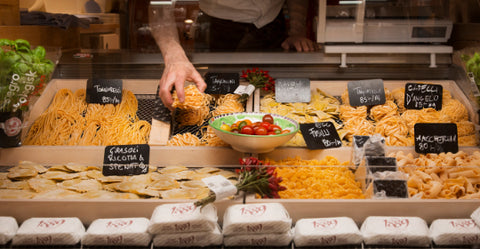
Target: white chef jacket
258,12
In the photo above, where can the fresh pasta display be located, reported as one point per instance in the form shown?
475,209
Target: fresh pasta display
70,120
321,108
29,180
396,124
317,179
444,175
195,111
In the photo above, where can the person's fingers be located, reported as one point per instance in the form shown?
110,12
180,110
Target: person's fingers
179,87
198,79
298,46
285,45
166,96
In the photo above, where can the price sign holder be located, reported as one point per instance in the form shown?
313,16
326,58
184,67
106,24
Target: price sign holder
435,138
381,163
221,83
320,135
419,96
124,160
391,188
292,90
104,91
366,92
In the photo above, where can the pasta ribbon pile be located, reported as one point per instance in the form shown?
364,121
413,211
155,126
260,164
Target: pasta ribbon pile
69,120
196,110
317,179
443,176
321,108
396,124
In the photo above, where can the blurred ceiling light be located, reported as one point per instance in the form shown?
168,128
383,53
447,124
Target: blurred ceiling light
188,21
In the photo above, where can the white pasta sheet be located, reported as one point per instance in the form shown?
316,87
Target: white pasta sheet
182,218
8,229
333,231
49,231
265,218
446,232
395,231
118,232
259,239
193,239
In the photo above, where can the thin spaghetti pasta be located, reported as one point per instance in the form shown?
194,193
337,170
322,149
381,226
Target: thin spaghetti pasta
69,120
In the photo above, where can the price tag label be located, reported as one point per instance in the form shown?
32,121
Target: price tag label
221,186
381,163
436,138
245,89
320,135
290,90
221,83
419,96
104,91
366,92
391,188
124,160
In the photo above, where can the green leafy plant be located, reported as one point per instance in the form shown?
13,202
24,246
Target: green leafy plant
24,72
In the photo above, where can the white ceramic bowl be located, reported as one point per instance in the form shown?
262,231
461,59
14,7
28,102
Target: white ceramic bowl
253,143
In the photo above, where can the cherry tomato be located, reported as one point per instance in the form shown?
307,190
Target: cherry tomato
247,129
267,118
266,125
274,127
285,131
225,127
261,131
272,133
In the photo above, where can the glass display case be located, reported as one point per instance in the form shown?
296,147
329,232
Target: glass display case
394,41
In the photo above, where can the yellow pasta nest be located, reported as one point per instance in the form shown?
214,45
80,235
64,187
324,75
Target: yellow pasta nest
317,179
69,120
396,124
444,175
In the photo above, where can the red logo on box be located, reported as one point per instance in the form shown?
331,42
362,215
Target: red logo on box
13,126
322,224
119,223
183,209
396,223
462,224
254,210
51,223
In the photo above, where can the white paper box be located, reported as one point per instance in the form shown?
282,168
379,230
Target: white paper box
263,218
259,239
454,232
195,239
118,232
327,232
49,231
8,228
395,231
183,218
476,216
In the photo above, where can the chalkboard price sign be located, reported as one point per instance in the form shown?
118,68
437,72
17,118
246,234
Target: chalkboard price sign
381,163
290,90
123,160
320,135
419,96
221,83
104,91
436,138
366,92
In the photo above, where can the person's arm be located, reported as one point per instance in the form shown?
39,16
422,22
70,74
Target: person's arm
297,32
178,68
